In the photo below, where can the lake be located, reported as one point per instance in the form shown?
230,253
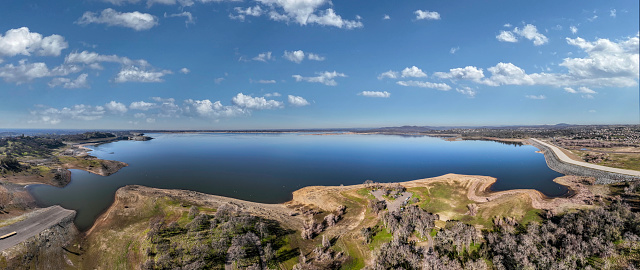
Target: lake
268,167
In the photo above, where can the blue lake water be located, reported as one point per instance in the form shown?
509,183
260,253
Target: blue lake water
268,167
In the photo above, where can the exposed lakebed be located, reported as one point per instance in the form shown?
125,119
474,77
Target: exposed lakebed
268,167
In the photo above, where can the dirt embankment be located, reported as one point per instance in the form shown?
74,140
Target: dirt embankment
128,199
97,166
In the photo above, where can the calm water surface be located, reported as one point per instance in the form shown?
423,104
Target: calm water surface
268,167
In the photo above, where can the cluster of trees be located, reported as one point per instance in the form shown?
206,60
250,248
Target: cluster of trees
87,136
580,240
29,146
311,228
322,257
212,241
10,164
403,223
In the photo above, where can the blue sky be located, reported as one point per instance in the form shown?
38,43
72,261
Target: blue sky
215,64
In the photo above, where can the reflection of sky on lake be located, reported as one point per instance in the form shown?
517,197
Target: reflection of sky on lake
268,167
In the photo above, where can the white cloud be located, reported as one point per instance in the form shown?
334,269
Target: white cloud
294,56
151,120
530,32
255,103
507,25
315,57
266,81
136,74
80,82
185,70
297,101
506,36
52,116
413,72
535,97
468,91
250,11
573,29
386,17
426,15
378,94
389,74
134,20
218,80
88,58
23,72
189,17
139,115
206,108
141,105
326,78
467,73
453,50
437,86
274,94
24,42
607,64
263,57
116,107
612,13
306,12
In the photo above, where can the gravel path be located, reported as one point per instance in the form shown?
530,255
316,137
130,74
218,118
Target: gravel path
395,204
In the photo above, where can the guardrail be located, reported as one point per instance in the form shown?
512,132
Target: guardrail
8,235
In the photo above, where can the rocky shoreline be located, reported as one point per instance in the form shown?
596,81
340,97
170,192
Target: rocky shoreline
601,177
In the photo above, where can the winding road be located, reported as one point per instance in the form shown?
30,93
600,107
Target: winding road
564,158
33,225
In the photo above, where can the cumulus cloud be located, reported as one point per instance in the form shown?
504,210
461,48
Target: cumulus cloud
413,72
135,20
386,17
136,74
185,70
263,57
141,105
529,32
255,103
79,82
315,57
266,81
506,36
297,101
208,109
612,13
377,94
23,72
426,15
437,86
24,42
53,116
454,50
607,64
467,73
306,12
116,107
294,56
468,91
241,13
326,78
389,74
88,58
535,97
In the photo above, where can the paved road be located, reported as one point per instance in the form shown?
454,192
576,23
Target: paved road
33,225
392,205
564,158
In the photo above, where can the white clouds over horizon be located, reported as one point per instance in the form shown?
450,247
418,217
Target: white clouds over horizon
376,94
135,20
297,101
326,78
22,41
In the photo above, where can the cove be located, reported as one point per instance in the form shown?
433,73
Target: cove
268,167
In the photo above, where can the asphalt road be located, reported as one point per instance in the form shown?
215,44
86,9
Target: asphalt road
564,158
33,225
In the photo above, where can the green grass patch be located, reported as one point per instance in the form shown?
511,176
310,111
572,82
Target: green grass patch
381,237
364,192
